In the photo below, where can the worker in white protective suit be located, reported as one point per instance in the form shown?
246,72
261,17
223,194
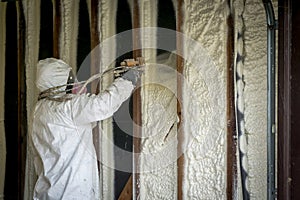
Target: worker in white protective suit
66,161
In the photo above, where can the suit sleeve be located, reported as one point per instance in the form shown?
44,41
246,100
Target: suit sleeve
87,109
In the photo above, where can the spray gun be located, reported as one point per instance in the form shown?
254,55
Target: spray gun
127,64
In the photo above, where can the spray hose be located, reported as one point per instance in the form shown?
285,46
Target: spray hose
54,91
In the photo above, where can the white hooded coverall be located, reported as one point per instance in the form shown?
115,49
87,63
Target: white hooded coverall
66,161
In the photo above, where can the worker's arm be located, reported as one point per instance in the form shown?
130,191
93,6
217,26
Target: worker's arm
87,109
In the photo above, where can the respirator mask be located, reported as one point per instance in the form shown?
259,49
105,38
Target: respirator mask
73,86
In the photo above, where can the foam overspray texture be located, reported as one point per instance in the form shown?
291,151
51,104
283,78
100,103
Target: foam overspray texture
32,23
255,96
69,32
158,143
148,18
107,10
32,20
158,179
204,109
2,89
239,7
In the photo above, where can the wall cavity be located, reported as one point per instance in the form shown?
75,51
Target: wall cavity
2,89
157,160
107,29
69,32
32,21
158,156
255,96
148,18
239,39
204,107
158,179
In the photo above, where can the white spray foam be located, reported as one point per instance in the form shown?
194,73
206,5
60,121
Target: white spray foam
69,32
255,73
205,164
106,26
32,20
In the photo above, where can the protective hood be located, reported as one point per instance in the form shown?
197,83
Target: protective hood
52,72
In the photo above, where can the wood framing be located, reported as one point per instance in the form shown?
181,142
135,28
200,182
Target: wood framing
22,114
180,131
95,38
95,61
288,100
137,114
284,99
3,147
126,193
231,185
56,26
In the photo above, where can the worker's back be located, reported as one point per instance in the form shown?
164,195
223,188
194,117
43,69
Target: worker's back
66,162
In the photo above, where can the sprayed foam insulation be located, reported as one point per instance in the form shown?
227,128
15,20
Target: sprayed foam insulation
204,110
205,165
157,160
32,20
239,54
255,96
158,156
251,18
2,89
69,32
107,28
158,179
148,18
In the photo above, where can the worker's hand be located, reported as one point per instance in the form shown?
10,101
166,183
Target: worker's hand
133,75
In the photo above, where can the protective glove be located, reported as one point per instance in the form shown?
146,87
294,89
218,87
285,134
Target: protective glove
133,75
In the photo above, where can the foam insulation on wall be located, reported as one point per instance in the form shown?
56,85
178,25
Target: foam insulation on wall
2,89
255,94
157,159
239,52
32,21
69,32
158,156
204,109
107,29
148,18
158,179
